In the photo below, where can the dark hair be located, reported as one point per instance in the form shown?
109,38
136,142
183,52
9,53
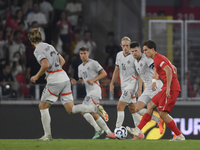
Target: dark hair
110,33
77,31
86,31
83,48
150,44
20,60
16,32
134,44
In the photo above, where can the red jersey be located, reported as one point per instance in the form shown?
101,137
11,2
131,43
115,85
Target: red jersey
160,62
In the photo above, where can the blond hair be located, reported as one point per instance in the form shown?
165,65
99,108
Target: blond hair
126,38
35,35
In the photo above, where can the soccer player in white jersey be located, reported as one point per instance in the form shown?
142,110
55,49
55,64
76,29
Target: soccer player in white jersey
125,67
90,72
145,69
58,83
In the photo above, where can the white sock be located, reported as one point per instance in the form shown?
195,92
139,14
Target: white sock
120,118
83,109
91,120
136,119
103,125
143,111
46,120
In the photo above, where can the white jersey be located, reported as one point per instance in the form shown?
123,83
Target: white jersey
144,68
89,71
127,71
55,73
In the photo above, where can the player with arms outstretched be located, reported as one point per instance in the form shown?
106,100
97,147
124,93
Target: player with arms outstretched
90,72
166,98
58,83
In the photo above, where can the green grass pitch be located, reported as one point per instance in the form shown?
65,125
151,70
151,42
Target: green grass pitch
98,144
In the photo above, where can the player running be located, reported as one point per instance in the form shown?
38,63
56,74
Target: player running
58,83
90,72
166,98
145,69
129,84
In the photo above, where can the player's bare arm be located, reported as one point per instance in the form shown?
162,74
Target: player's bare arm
175,69
155,77
43,68
114,78
139,92
102,74
61,60
168,71
80,81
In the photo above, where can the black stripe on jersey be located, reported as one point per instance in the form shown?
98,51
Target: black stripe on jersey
42,59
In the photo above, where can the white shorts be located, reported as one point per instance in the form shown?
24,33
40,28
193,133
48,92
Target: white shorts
91,100
52,91
148,93
129,92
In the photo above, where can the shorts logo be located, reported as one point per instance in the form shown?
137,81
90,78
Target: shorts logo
125,93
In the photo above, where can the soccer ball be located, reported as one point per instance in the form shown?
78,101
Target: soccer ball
120,132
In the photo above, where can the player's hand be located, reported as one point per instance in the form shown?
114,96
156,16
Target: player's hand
73,81
45,78
154,87
34,79
112,88
139,92
168,93
90,82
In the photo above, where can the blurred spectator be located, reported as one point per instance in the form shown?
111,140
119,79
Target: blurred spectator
17,65
74,42
189,84
74,9
56,41
109,67
67,66
36,15
21,28
18,72
65,31
15,45
81,26
27,7
3,44
7,81
36,25
47,9
14,6
20,18
76,62
87,41
4,8
111,49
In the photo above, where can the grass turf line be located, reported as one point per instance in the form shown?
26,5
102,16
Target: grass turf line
99,144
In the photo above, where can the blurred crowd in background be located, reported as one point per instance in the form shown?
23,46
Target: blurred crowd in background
61,23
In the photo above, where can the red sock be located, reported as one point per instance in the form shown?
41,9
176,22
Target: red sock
173,127
146,118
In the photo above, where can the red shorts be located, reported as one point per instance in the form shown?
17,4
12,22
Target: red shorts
164,103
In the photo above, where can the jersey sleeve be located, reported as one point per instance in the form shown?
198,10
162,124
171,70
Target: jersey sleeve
149,62
117,60
161,62
39,56
97,66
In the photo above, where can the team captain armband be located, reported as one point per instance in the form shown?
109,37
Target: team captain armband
152,66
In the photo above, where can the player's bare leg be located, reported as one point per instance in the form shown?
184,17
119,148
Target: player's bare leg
171,124
136,119
46,121
141,110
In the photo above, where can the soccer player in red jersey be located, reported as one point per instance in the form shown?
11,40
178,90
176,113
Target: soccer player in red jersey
165,99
